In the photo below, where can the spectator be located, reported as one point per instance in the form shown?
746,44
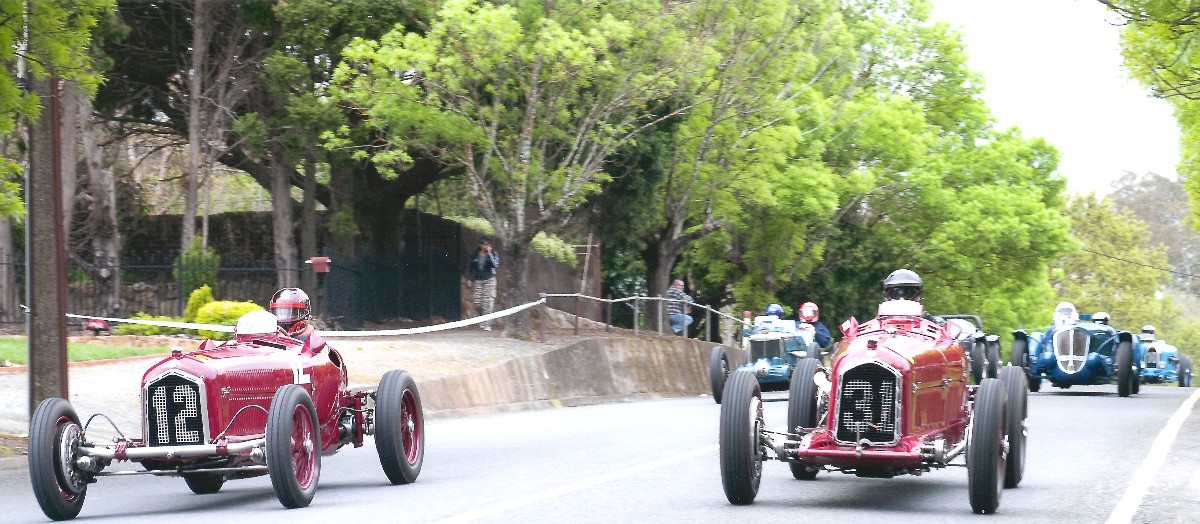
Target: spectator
678,307
481,279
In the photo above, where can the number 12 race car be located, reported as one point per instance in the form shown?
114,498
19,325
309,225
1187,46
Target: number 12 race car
894,400
260,404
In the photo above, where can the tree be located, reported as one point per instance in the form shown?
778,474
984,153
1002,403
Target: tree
1162,204
529,101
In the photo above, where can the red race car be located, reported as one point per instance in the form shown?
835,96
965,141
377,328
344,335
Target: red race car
895,400
260,404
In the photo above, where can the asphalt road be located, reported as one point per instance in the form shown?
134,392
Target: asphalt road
656,461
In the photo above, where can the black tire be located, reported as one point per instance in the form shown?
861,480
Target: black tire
54,435
1035,384
718,372
993,359
1124,368
293,446
1185,371
399,427
204,483
1018,404
978,359
985,449
1020,353
802,408
1136,382
741,426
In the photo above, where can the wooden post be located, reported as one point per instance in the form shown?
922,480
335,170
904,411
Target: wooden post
542,323
660,315
576,315
707,324
637,307
608,313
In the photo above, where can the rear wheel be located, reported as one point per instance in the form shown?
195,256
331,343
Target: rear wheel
985,449
802,409
204,483
1018,402
399,427
54,439
718,372
741,426
993,359
1124,371
293,446
1185,371
978,360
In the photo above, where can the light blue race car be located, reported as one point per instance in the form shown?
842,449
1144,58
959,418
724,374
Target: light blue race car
1076,351
770,347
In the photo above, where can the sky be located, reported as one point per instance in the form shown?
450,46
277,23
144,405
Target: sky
1053,69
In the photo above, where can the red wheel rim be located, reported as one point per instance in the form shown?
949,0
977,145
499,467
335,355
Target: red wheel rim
410,427
304,452
66,495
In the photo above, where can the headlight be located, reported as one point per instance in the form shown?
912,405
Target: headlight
760,368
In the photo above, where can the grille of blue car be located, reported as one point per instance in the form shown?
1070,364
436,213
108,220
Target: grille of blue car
1071,349
769,348
868,402
174,411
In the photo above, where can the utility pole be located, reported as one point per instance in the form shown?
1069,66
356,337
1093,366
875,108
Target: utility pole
45,251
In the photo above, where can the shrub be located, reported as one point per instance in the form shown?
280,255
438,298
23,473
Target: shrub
140,329
196,267
199,297
224,313
554,248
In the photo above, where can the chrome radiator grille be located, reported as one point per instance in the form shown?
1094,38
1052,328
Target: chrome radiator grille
768,348
174,411
868,404
1071,349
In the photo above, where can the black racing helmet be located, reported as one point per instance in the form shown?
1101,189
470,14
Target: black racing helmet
903,284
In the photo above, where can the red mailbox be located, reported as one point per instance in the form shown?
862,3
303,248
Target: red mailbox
319,264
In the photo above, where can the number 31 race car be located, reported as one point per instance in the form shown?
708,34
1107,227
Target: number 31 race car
894,400
260,404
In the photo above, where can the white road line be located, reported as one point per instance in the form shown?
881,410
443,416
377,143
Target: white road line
1140,483
533,498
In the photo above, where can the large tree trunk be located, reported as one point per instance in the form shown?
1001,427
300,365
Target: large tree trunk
514,265
200,37
10,310
102,218
68,136
286,258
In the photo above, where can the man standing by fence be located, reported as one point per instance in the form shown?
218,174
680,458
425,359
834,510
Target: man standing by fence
679,304
481,279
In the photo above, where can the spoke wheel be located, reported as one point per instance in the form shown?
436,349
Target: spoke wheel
802,409
741,426
54,438
293,446
985,448
399,427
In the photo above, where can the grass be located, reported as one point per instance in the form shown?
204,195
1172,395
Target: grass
15,350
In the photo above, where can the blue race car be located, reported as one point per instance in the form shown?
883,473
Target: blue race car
771,347
1078,351
1162,363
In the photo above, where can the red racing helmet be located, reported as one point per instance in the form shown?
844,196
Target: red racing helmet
291,306
809,312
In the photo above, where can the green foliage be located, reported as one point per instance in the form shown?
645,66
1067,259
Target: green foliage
142,329
224,313
195,267
199,297
554,248
476,224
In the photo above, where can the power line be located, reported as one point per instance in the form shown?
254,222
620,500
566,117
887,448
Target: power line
1180,273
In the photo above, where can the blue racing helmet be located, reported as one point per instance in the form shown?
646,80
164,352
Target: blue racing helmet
775,309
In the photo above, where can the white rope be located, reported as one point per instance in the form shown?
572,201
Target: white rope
330,334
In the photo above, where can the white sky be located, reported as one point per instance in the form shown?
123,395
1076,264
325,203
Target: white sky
1053,69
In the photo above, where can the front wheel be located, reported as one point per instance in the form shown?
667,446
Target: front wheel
741,426
802,409
1018,402
985,447
399,427
978,362
718,372
293,446
54,439
1124,371
993,359
204,483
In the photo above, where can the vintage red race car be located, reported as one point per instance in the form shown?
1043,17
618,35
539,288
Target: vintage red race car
894,400
259,404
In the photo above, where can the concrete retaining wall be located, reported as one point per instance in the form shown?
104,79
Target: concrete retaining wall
588,372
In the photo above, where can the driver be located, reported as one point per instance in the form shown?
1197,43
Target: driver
1065,313
1101,318
1148,333
808,313
291,306
905,284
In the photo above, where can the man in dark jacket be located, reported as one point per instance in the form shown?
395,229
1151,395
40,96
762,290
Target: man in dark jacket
481,279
